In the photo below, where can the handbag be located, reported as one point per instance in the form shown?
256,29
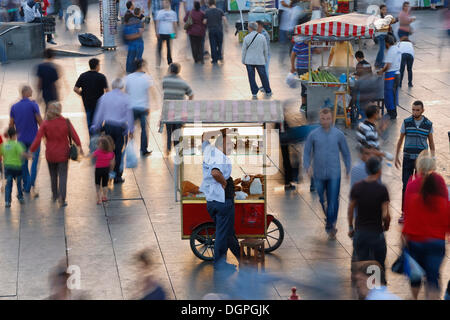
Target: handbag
189,22
73,150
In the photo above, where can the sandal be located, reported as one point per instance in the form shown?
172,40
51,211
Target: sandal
104,199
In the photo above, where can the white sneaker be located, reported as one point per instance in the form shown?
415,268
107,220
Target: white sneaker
268,95
388,156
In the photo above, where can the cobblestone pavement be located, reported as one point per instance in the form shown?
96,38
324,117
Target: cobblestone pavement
101,240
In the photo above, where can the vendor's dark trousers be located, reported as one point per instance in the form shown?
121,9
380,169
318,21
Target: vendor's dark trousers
216,41
118,134
58,178
166,38
407,61
262,75
223,216
369,246
197,48
141,115
408,168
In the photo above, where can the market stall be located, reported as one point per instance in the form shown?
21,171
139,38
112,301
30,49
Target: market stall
323,82
250,163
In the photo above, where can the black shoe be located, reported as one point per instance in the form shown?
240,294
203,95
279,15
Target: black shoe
289,187
312,189
146,153
410,85
119,180
51,41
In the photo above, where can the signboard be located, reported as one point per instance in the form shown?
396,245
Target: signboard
235,5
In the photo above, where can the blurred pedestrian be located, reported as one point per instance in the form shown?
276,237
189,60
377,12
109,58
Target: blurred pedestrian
323,146
391,70
175,6
427,222
13,153
166,29
133,30
56,130
370,199
26,117
266,35
358,171
380,37
33,13
299,64
406,49
151,289
84,9
137,86
405,21
255,55
91,85
218,187
363,67
114,116
196,31
175,88
48,76
284,11
417,131
215,21
104,163
316,9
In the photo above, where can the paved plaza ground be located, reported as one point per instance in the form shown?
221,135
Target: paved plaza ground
101,240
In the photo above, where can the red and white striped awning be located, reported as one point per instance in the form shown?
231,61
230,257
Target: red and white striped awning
352,25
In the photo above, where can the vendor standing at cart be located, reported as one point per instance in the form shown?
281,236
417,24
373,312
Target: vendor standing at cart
218,187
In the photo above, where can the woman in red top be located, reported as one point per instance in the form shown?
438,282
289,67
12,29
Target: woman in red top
196,32
427,221
55,129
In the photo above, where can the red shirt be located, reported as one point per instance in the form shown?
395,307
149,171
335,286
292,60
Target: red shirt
56,133
422,221
103,158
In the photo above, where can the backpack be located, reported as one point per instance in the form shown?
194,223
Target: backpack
89,40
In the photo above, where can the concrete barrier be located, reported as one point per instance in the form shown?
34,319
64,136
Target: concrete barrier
25,42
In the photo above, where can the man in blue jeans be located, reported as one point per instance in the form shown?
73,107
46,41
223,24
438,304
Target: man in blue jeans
133,35
214,20
25,118
218,187
323,146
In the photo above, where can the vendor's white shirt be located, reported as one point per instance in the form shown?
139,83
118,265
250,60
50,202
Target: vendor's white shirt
406,47
213,158
394,57
137,85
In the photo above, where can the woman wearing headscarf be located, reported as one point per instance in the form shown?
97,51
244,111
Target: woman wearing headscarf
55,129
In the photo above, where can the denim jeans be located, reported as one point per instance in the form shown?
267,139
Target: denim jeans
332,189
89,118
408,169
407,60
175,6
166,38
135,51
262,75
216,40
223,216
142,116
429,255
380,55
369,246
11,174
29,177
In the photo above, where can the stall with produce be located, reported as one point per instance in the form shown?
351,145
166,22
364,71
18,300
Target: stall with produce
248,120
323,82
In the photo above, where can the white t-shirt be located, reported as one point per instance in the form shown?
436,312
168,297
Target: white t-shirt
137,85
165,19
406,47
394,57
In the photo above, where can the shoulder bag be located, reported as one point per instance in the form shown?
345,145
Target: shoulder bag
73,150
250,44
189,22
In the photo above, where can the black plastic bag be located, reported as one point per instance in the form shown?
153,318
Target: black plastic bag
89,40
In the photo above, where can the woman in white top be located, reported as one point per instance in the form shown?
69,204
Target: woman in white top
406,49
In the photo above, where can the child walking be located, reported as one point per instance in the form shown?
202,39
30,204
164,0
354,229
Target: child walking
13,153
104,157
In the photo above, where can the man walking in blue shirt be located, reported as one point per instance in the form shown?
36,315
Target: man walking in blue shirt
323,146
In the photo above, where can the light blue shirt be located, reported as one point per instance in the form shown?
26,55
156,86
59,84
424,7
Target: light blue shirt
213,158
381,293
114,108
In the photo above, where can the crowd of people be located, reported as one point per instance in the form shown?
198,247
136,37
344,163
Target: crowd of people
111,116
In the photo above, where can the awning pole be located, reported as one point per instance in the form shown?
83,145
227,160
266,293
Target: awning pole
309,61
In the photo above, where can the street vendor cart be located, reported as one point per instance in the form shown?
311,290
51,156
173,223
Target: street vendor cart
250,163
328,86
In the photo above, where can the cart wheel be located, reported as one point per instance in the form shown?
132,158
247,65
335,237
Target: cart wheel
275,236
202,241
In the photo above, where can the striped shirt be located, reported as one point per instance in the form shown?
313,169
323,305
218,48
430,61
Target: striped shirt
367,135
175,88
301,50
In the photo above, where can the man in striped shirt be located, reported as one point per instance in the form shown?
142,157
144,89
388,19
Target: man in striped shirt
175,88
299,64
